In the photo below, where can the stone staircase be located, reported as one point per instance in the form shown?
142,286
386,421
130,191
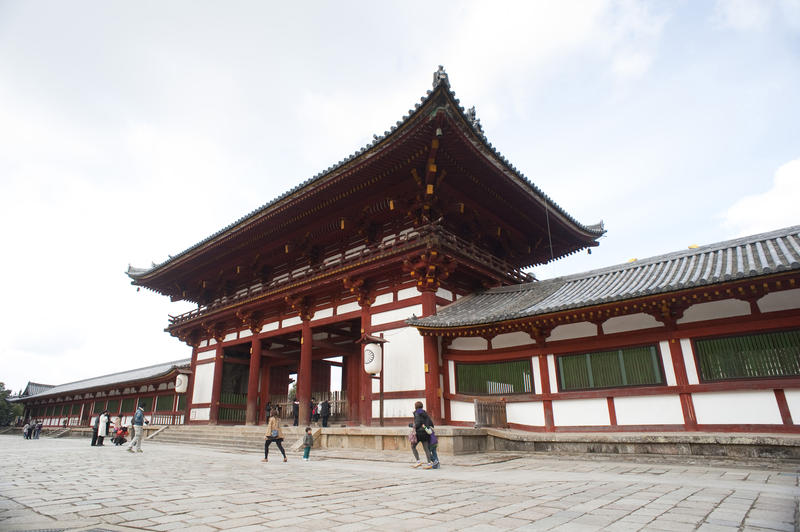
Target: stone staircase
232,437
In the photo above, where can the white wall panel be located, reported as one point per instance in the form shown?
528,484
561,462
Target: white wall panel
740,407
551,371
666,361
323,313
403,360
205,355
715,310
407,293
784,300
200,414
451,374
531,414
348,307
470,343
383,299
688,361
292,321
649,410
245,333
793,400
271,326
511,340
461,411
633,322
573,330
396,315
444,294
395,407
537,375
581,412
230,336
203,382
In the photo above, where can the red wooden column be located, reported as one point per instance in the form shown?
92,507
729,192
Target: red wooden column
430,349
266,389
687,405
216,390
304,372
251,416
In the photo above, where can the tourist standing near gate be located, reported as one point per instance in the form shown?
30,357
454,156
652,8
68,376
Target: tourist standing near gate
102,427
295,410
325,412
95,425
308,443
25,430
38,429
274,434
138,430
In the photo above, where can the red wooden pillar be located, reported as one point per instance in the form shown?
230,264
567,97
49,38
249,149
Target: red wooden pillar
364,378
353,387
251,416
304,373
266,389
216,389
190,388
687,405
430,348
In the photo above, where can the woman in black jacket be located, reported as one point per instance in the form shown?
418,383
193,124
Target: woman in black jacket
421,420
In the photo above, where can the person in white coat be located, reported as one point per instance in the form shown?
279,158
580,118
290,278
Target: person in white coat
102,427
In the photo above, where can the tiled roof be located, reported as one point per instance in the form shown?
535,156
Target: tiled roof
34,387
596,229
114,379
742,258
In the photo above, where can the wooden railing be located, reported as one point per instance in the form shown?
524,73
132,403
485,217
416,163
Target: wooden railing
490,414
387,247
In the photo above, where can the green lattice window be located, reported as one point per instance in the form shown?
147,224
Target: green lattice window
128,405
76,409
113,406
498,378
164,403
181,402
146,403
775,354
630,366
98,406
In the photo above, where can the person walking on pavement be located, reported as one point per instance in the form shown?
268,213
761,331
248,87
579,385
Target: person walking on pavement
274,434
37,429
422,421
138,430
325,412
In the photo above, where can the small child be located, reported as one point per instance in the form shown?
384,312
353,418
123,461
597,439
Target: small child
433,444
308,443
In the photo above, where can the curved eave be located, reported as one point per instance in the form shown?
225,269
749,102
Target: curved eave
428,103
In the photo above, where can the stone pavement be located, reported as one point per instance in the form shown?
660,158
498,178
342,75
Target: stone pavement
59,484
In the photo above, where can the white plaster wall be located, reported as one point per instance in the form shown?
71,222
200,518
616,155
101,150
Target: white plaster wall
715,310
793,400
229,337
666,361
461,411
396,315
205,355
245,333
204,343
212,341
649,410
551,371
470,343
634,322
271,326
531,414
324,313
573,330
741,407
407,293
383,299
444,294
348,307
292,321
784,300
688,361
537,375
203,382
511,340
581,412
395,407
200,414
451,374
403,360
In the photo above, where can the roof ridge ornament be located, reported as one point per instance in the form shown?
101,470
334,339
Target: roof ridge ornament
474,121
440,76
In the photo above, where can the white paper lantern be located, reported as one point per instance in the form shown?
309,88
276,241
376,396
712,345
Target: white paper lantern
372,358
181,383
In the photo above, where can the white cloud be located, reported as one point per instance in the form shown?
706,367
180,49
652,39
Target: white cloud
773,209
742,14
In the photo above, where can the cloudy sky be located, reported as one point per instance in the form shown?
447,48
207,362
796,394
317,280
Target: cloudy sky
132,130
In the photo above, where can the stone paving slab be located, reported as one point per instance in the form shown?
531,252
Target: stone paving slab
64,484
